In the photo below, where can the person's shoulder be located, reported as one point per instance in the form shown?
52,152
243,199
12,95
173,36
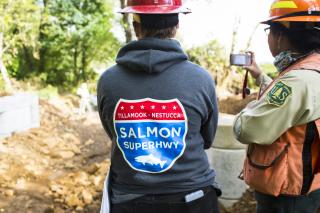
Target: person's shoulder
110,71
111,74
302,76
299,81
107,77
197,71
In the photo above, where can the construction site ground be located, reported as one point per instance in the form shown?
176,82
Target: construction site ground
61,166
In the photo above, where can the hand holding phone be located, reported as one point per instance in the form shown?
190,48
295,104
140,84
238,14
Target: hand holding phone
241,59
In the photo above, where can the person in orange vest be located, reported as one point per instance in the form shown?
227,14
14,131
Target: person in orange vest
282,127
160,111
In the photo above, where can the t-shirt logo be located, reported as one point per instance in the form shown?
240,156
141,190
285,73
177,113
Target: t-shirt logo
150,133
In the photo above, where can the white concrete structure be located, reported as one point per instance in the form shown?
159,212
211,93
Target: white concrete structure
18,113
226,157
224,137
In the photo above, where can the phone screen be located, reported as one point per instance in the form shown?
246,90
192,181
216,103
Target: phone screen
240,59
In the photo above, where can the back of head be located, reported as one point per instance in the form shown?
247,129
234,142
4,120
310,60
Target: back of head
157,19
299,21
163,26
303,36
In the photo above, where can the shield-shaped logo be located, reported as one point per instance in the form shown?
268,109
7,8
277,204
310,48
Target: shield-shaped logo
151,133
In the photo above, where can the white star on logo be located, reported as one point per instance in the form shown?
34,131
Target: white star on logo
142,107
153,107
174,107
164,107
131,107
122,108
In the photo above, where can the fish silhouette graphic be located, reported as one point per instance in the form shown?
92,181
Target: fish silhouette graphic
150,159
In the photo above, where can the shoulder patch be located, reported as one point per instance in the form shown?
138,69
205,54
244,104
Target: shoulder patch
279,94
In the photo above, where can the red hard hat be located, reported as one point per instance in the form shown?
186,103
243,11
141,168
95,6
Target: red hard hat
155,7
294,11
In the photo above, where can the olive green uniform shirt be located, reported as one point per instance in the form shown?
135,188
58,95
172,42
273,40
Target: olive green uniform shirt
293,99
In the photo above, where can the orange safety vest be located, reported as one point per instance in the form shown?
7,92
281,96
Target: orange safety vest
290,165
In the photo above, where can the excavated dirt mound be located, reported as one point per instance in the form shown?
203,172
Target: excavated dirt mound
2,94
59,167
233,105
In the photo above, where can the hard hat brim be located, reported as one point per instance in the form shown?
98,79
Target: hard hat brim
155,10
293,19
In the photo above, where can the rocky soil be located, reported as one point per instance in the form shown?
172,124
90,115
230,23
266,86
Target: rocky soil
59,167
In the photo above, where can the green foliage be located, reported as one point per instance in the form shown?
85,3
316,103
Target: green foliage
2,87
77,35
57,41
212,57
48,92
18,28
269,69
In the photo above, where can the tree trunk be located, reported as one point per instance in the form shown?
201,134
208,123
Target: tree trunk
251,37
84,63
8,85
235,34
126,23
28,58
42,38
75,61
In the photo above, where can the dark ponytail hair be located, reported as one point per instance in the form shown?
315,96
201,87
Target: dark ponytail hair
305,37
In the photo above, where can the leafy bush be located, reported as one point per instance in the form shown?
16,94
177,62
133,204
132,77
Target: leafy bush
58,41
269,69
2,88
212,57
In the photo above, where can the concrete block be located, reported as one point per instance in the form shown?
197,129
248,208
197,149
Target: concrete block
18,113
224,138
228,165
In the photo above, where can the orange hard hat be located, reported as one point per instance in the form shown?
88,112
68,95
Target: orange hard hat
294,11
155,7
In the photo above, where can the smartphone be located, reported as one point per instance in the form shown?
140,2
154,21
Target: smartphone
242,59
194,196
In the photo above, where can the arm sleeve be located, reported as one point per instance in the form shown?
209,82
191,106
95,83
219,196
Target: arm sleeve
209,127
263,81
101,99
262,121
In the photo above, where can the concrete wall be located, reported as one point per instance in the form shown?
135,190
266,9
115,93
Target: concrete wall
226,157
18,113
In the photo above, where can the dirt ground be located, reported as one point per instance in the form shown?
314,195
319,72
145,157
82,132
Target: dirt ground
59,167
233,105
2,94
